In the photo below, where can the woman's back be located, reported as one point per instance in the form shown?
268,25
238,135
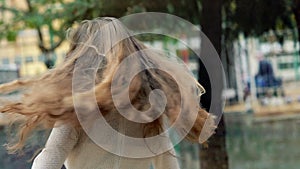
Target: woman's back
80,152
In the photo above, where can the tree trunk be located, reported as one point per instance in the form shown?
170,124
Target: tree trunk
49,59
215,155
296,10
229,67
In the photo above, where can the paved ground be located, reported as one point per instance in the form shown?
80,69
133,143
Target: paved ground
277,106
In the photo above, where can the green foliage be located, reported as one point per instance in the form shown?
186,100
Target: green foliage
48,13
255,17
11,35
56,15
251,17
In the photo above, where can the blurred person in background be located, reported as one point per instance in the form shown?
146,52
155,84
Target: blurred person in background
265,78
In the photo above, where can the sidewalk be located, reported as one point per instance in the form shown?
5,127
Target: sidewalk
291,90
270,110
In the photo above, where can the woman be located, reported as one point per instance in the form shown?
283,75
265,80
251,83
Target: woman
51,102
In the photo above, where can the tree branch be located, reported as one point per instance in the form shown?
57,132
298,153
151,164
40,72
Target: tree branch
40,34
13,10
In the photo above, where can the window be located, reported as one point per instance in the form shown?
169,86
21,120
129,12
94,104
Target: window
18,60
42,58
28,59
5,61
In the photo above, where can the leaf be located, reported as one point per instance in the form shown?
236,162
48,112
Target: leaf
11,36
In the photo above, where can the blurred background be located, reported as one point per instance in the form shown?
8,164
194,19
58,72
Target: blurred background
258,44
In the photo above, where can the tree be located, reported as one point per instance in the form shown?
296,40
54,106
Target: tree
214,156
296,11
41,15
55,16
255,18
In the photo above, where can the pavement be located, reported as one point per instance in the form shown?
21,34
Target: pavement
267,110
289,104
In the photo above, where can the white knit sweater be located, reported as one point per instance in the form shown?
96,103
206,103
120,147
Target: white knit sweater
78,151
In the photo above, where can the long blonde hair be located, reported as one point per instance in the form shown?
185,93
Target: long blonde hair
48,99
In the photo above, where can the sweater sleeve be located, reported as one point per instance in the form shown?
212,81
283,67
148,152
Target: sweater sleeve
60,142
167,160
